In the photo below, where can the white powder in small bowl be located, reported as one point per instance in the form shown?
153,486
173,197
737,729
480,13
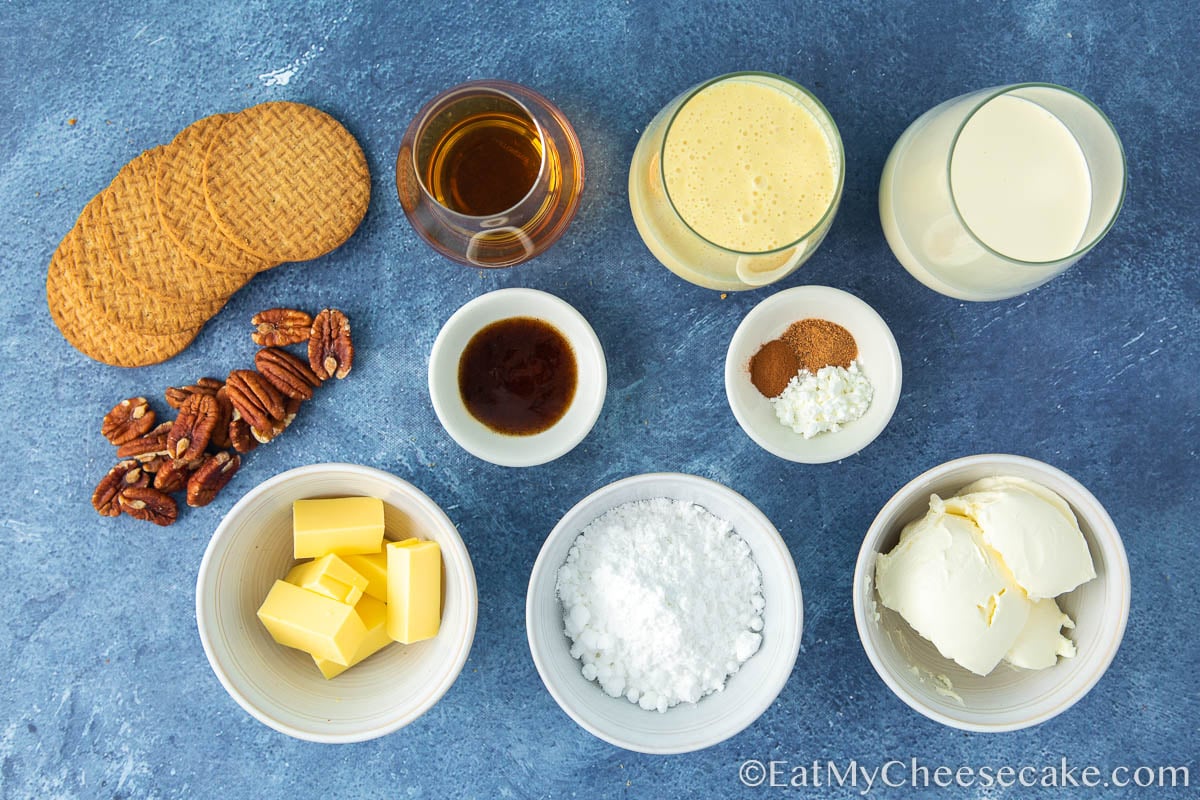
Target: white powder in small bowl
824,402
662,602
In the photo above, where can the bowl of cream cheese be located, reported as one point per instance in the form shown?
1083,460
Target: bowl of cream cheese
991,593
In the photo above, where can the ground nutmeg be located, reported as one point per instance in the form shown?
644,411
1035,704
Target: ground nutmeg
820,343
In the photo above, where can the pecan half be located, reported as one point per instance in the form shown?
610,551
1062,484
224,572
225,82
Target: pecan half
154,464
276,327
145,448
128,420
176,396
174,475
144,502
126,474
193,428
278,426
240,434
220,434
211,477
254,397
330,349
288,374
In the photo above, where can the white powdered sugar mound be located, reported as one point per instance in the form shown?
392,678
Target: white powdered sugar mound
662,601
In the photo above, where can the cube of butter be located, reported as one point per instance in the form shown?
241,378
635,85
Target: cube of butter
373,614
414,604
330,576
340,525
373,567
312,622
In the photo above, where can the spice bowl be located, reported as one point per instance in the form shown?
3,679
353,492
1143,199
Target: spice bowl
508,449
1008,698
282,687
878,359
687,726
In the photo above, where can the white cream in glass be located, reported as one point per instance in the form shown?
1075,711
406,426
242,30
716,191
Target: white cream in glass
993,193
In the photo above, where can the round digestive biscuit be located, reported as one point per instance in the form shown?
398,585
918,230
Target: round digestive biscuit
130,230
286,181
91,333
182,210
121,302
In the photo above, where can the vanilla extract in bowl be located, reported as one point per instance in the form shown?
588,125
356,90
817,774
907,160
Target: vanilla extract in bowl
518,376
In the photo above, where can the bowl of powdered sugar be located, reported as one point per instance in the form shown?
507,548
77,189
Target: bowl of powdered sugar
664,613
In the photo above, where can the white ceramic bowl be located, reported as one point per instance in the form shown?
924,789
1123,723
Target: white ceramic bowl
1009,698
280,686
685,727
480,440
878,357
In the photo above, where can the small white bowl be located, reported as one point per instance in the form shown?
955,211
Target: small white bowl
1009,698
480,440
685,727
878,358
280,686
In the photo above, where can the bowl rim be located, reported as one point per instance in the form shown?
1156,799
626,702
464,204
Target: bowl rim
590,395
470,590
734,372
771,690
1106,533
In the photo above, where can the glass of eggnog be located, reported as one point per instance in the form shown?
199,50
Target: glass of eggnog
736,181
993,193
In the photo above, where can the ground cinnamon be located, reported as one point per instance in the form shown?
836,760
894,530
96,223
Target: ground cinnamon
820,343
772,367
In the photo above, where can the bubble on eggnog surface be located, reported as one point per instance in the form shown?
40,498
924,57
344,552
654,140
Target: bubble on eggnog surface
748,167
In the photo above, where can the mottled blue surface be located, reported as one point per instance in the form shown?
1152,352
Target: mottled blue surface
106,691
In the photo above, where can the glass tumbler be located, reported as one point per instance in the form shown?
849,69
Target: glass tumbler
993,193
735,182
490,173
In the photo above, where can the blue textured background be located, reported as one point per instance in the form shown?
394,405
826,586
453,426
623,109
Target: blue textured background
106,691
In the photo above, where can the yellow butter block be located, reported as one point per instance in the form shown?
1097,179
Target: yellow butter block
373,614
340,525
373,567
330,576
312,622
414,604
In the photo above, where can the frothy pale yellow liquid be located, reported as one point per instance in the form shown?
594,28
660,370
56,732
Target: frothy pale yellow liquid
748,167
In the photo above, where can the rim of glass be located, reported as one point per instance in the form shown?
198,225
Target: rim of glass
441,101
836,140
1079,249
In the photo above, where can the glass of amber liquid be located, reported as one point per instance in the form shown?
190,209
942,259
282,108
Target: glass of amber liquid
490,173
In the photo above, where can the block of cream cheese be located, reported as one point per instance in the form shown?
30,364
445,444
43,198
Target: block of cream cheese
953,590
373,614
312,622
1033,530
331,576
414,603
373,567
1041,641
341,525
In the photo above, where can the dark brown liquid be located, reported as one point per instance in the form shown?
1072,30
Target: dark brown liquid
517,376
486,163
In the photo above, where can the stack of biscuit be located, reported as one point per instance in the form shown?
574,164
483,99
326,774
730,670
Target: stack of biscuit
182,227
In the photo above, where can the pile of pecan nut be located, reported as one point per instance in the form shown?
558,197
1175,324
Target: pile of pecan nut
218,421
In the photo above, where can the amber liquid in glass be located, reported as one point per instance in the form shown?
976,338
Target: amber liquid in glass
486,163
